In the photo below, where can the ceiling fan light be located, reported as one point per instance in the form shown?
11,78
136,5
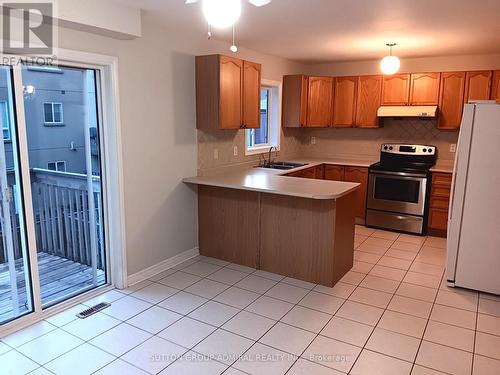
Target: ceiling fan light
259,3
221,13
390,64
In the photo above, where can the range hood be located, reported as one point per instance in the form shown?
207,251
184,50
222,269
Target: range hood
407,111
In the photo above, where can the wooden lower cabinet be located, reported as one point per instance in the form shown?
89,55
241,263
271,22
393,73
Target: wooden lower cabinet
359,175
334,172
307,239
316,172
438,219
439,204
222,215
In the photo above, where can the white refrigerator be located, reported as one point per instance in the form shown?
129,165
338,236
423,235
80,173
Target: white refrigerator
474,215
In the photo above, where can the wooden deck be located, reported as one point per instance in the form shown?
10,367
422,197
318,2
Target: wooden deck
59,277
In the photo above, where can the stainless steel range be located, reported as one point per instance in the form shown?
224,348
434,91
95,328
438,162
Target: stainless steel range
399,187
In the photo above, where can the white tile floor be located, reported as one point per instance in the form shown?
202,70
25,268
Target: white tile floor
392,314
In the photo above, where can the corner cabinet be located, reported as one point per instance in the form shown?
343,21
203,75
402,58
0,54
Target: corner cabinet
227,93
307,101
351,174
359,175
294,97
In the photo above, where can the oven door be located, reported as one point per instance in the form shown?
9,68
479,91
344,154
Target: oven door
397,192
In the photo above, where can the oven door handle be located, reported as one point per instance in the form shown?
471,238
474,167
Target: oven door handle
402,174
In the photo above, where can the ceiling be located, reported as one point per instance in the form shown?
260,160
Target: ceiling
349,30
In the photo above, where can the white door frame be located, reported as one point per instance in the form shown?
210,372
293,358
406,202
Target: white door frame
111,149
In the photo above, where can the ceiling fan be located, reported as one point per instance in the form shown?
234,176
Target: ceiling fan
257,3
224,13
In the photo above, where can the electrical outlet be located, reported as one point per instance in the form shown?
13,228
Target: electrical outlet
216,154
313,140
453,147
235,150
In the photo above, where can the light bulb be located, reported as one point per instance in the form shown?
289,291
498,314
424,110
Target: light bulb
221,13
233,48
390,64
259,3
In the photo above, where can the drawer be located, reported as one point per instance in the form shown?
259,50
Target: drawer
438,219
440,202
440,191
441,179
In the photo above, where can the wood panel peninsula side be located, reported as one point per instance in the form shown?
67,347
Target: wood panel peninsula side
296,227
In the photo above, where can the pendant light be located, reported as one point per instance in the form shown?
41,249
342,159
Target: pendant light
390,64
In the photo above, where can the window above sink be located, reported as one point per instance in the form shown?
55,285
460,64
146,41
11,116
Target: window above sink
258,141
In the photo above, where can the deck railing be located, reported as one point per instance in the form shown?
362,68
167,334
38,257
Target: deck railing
63,216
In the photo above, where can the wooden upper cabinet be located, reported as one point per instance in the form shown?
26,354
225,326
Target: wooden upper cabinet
359,175
230,110
319,101
344,102
368,101
294,101
424,88
451,99
227,93
495,86
251,94
477,85
396,89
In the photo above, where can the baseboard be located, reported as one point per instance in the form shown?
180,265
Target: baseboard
162,266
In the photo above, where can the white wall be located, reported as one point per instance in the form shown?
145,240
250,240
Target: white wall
157,98
422,64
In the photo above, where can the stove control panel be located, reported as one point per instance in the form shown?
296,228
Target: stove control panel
405,149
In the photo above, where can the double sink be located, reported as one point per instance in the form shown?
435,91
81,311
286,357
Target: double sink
284,165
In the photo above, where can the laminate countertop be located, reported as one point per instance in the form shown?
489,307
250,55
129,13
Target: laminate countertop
273,181
443,167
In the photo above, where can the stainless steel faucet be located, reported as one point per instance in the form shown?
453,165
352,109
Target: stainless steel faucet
269,161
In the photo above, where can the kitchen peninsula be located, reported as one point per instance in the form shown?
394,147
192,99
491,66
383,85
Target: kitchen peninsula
261,218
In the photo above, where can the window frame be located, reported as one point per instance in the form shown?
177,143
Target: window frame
56,163
3,105
53,123
274,120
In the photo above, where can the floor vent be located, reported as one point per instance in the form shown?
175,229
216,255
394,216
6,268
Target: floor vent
92,310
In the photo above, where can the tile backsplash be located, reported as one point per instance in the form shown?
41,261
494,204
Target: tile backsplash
330,142
366,142
223,142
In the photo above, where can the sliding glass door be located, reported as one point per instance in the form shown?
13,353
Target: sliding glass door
61,126
15,286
